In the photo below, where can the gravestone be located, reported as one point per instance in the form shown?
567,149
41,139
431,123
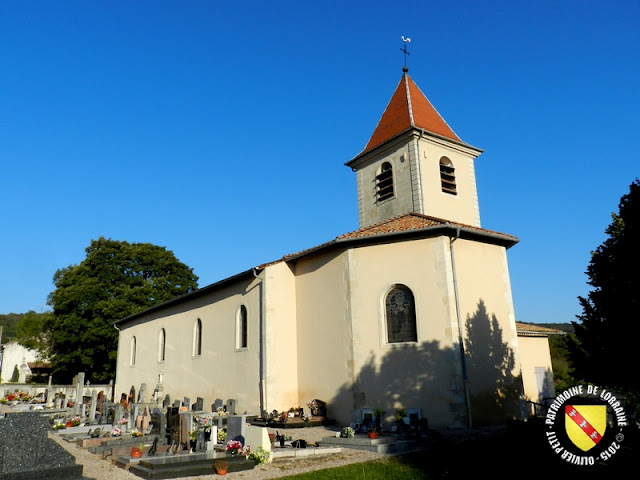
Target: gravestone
232,406
199,405
167,401
256,437
159,422
118,413
132,395
79,393
142,395
177,404
187,403
217,404
94,407
26,451
236,427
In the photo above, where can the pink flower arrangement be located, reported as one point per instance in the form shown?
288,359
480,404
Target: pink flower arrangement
116,432
234,446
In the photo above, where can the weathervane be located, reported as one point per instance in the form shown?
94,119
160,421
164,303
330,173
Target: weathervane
406,52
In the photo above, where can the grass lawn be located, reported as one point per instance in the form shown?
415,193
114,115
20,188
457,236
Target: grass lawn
394,468
520,453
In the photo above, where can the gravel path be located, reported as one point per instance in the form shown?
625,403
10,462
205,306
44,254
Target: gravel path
96,468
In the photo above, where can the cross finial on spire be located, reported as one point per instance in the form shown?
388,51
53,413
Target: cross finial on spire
406,52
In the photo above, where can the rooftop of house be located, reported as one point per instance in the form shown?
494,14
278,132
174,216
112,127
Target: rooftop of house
532,330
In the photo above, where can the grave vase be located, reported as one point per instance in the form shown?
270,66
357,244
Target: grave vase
207,435
193,444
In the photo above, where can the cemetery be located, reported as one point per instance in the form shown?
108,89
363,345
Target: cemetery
157,437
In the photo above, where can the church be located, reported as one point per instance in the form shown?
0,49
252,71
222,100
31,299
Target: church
412,310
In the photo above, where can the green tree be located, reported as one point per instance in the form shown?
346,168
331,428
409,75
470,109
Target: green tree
609,329
16,375
115,280
31,332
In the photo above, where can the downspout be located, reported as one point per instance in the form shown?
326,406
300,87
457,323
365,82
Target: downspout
463,362
263,376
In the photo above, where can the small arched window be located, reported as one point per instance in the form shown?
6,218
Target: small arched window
162,342
384,182
241,327
132,353
448,176
197,338
400,315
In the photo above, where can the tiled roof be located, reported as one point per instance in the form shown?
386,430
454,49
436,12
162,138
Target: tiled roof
400,224
529,329
408,108
412,221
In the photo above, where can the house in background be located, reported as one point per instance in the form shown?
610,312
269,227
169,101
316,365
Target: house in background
535,358
413,309
15,356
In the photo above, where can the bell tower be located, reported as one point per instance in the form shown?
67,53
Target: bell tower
414,162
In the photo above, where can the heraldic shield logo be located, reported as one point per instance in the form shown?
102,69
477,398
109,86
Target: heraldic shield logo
585,424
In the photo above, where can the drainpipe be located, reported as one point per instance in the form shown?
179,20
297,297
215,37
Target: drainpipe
263,379
463,362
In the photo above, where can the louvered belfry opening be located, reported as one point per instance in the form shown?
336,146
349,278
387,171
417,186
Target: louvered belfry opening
448,176
385,182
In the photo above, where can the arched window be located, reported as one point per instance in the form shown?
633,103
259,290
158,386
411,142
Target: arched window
384,182
241,327
400,315
197,338
448,176
162,341
132,353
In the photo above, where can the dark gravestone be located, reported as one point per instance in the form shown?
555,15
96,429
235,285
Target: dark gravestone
159,422
199,405
27,452
167,401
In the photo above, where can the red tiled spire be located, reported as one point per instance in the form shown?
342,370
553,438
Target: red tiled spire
408,108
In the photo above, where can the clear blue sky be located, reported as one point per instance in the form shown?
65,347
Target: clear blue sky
220,129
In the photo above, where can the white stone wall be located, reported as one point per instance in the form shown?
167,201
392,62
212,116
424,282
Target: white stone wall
15,354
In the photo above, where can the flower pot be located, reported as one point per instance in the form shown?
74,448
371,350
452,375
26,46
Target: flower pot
193,444
69,424
221,472
136,453
372,435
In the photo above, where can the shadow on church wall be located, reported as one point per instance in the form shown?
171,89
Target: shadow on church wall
495,392
428,376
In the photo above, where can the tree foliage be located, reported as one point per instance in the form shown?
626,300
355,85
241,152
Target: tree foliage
609,329
31,333
115,280
9,321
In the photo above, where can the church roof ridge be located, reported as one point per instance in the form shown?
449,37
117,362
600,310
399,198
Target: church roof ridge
401,224
409,109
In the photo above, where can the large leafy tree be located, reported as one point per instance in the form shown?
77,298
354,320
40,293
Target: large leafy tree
31,332
608,334
115,280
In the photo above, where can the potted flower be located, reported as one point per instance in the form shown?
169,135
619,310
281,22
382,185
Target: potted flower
233,447
136,433
221,466
193,434
347,432
116,432
260,456
136,450
206,428
377,414
222,436
372,432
